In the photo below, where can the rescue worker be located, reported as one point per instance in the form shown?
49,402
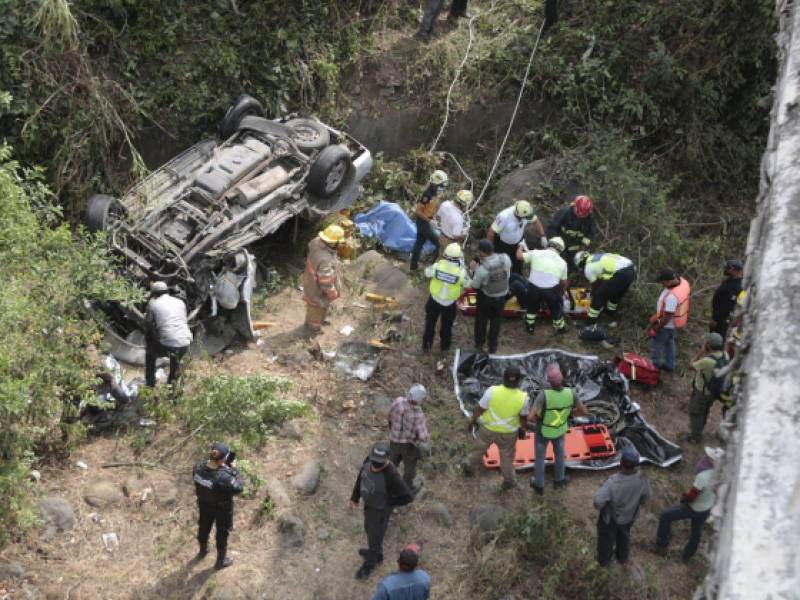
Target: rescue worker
610,276
451,220
448,279
550,413
508,230
407,430
491,281
618,502
547,284
695,505
701,400
216,482
166,333
576,225
425,210
380,486
321,283
725,297
672,314
506,407
458,8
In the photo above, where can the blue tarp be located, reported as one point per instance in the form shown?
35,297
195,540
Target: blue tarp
392,226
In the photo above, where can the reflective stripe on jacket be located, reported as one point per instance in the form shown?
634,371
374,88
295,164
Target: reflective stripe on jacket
504,408
605,266
321,274
557,408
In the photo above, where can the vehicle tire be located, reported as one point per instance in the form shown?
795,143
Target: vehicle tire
101,212
309,135
245,105
262,125
329,172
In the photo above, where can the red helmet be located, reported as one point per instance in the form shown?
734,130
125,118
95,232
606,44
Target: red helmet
583,206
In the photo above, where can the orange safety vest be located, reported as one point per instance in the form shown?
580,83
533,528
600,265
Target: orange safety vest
681,316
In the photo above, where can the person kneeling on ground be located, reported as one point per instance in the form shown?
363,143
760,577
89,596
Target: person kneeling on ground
380,486
409,583
618,502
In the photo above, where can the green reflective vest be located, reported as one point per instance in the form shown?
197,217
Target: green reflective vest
557,408
447,281
604,266
547,261
504,408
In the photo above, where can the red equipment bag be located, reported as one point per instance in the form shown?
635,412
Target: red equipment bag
637,368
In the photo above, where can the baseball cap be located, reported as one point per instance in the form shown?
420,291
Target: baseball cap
159,287
512,376
714,339
409,558
221,448
486,246
417,393
735,264
380,453
666,275
714,453
630,457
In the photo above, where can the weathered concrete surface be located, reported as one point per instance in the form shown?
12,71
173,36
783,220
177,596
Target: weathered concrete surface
756,552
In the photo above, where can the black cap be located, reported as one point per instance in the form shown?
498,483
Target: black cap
409,558
380,453
734,264
666,275
222,449
486,246
512,377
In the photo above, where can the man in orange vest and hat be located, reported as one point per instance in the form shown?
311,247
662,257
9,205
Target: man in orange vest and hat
672,312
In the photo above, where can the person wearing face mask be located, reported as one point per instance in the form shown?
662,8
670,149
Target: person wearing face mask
425,212
508,231
725,296
382,489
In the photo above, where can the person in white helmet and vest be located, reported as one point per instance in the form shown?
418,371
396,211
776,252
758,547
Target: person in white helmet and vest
610,276
502,412
321,283
508,230
550,412
491,281
547,284
425,212
451,220
448,279
166,331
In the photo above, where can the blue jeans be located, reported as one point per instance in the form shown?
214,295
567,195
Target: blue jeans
541,450
681,513
662,349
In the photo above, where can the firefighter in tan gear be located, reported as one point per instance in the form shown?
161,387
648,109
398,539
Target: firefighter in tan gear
321,284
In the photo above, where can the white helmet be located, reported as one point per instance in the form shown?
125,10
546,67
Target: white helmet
464,198
453,252
557,243
439,178
523,209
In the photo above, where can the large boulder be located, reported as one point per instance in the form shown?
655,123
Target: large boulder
443,515
293,532
307,480
12,570
57,514
101,493
278,493
522,183
486,517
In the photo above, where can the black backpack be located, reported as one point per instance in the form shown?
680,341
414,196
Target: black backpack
716,385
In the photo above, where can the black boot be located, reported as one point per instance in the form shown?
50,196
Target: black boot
364,552
222,562
365,571
203,552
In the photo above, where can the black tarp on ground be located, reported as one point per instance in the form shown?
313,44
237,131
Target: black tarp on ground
591,379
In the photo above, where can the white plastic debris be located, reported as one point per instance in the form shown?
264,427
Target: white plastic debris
146,422
83,465
110,542
161,374
347,330
36,476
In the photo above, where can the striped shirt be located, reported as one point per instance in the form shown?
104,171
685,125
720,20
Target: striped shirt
407,422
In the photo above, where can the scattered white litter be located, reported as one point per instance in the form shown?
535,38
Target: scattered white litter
347,330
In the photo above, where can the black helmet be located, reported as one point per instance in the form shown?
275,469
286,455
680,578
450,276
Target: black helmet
512,377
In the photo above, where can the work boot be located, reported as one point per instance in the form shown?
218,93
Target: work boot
365,553
656,549
203,552
692,440
365,571
507,485
536,488
557,485
425,38
463,14
563,329
453,20
223,562
530,328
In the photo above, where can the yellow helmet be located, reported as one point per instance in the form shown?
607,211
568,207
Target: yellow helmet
523,209
464,198
453,252
439,178
332,235
740,298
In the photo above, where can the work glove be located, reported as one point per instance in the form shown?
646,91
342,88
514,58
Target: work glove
544,241
652,333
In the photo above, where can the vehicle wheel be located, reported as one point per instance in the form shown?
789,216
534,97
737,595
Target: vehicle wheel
101,212
329,171
309,135
245,105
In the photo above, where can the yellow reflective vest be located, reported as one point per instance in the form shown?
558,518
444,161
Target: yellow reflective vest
505,405
448,279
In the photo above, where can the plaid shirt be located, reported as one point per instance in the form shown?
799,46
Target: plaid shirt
407,423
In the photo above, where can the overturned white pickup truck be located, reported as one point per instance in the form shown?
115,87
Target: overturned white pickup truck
189,222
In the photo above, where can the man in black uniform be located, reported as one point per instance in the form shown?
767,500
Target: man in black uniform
725,298
576,225
382,488
216,481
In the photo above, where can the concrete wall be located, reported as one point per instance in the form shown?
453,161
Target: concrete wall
755,553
